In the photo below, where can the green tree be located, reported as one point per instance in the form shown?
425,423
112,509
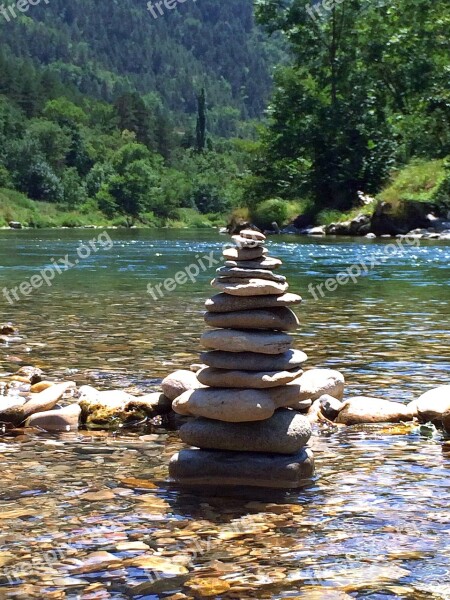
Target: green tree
360,69
201,122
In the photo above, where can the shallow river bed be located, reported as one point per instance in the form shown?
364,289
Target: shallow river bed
93,516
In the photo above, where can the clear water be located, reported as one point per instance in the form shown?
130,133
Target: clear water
373,524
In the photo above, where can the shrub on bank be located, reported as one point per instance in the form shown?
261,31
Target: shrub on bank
270,211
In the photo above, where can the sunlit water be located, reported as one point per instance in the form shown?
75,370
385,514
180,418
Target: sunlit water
373,524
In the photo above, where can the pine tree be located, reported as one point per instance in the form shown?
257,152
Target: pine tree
201,121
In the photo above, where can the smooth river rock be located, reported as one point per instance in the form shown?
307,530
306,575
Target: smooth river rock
249,287
244,253
241,340
432,405
361,409
286,432
179,382
251,361
235,273
235,405
261,263
317,382
64,419
46,400
226,303
243,242
217,468
252,234
246,379
281,318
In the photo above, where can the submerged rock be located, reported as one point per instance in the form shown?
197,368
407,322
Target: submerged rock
217,468
362,409
284,433
8,329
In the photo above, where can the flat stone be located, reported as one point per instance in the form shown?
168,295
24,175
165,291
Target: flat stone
64,419
237,340
281,318
226,405
251,361
362,409
286,432
262,263
252,234
242,242
178,382
46,400
228,303
317,382
432,405
217,468
246,379
235,273
235,405
244,253
249,287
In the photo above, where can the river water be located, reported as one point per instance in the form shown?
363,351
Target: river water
93,516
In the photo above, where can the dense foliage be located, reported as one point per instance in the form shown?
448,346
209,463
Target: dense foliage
106,111
368,91
125,158
110,48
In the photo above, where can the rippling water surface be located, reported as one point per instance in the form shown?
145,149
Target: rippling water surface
92,516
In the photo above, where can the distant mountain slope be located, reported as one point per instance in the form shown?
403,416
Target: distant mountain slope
107,48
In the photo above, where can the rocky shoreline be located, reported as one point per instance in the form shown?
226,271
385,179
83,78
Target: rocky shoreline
30,400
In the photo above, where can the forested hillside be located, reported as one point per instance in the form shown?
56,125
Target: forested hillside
109,113
109,48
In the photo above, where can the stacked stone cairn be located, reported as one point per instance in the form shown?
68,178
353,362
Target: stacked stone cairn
247,429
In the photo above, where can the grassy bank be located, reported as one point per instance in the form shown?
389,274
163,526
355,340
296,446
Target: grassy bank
14,206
